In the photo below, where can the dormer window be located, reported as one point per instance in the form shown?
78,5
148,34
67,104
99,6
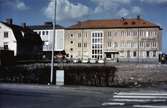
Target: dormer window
133,23
125,23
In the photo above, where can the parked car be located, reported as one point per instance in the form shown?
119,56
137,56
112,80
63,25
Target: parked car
163,58
101,61
76,60
93,61
85,60
65,60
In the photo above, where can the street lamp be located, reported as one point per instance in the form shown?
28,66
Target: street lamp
53,44
138,45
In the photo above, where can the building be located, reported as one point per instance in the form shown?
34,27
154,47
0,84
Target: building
20,39
46,33
114,40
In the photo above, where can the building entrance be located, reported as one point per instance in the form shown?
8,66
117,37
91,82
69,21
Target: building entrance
112,56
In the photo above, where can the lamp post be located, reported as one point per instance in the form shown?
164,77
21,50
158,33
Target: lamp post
138,40
82,40
53,44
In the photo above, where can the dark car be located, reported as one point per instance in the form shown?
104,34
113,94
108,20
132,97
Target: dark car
163,58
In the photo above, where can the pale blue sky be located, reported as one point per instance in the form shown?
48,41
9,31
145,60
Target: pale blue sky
70,11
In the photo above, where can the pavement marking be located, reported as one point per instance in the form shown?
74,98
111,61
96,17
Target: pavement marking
121,99
149,106
133,93
112,104
141,97
139,100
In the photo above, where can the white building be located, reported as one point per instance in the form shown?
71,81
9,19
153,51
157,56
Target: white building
7,38
46,33
23,41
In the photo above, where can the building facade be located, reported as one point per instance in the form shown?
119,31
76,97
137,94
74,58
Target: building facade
20,39
46,33
114,40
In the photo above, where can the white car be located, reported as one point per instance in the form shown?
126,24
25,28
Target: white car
93,61
101,61
85,60
75,60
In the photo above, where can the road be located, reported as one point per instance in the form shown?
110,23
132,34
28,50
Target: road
43,96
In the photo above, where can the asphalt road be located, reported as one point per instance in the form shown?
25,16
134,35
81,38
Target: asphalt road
40,96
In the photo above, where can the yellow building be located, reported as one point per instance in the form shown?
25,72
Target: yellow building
114,40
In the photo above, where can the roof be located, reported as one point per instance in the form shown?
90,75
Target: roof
29,35
45,27
114,23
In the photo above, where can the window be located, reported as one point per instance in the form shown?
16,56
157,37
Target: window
109,34
132,44
141,44
85,44
5,34
154,53
122,33
79,44
97,42
128,53
43,32
134,54
128,33
109,44
135,33
46,32
147,44
71,42
86,35
154,44
39,32
5,45
71,35
115,44
79,35
148,53
71,49
115,34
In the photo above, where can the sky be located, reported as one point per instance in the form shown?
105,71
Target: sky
68,12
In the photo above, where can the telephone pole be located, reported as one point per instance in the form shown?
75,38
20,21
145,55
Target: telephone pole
53,44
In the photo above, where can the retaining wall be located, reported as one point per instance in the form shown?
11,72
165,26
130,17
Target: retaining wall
89,75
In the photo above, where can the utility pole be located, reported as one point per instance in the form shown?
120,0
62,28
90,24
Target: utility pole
138,46
53,44
82,42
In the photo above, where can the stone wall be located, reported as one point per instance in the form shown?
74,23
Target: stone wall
88,74
136,74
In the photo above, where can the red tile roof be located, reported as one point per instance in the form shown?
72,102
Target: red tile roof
114,23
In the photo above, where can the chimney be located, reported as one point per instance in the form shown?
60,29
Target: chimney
80,24
48,23
123,19
138,17
9,21
23,25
